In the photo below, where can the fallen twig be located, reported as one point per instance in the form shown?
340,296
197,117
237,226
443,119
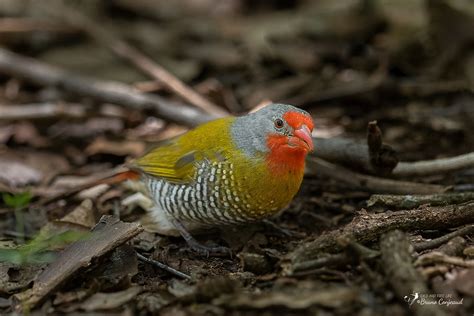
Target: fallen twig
374,156
106,236
369,183
367,227
454,247
412,201
104,91
40,111
332,260
402,275
435,257
353,253
443,239
163,267
140,60
353,154
436,166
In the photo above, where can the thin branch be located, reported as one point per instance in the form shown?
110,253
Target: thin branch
332,260
437,166
163,267
369,183
412,201
435,257
443,239
40,111
140,60
104,91
354,253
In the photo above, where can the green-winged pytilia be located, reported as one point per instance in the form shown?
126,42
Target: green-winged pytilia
232,170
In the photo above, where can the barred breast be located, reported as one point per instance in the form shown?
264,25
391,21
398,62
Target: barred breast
216,196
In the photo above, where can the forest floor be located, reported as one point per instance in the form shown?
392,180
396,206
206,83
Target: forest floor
86,86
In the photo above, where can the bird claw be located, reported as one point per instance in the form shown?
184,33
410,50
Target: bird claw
198,247
278,229
206,251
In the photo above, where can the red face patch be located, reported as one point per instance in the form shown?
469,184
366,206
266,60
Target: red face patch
296,119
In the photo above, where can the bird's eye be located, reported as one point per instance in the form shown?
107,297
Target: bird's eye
279,123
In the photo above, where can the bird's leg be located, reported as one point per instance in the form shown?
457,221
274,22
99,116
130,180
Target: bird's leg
280,230
197,246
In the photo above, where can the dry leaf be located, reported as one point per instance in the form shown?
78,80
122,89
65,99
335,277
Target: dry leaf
105,301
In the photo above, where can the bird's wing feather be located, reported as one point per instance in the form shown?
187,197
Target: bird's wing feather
176,159
169,162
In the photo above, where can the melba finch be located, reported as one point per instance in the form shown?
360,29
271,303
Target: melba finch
229,171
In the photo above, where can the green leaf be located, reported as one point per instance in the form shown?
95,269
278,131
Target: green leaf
19,200
39,249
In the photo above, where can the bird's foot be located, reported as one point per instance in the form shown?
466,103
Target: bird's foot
218,251
199,248
278,229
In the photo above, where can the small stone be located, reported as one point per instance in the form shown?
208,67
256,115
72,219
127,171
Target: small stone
255,263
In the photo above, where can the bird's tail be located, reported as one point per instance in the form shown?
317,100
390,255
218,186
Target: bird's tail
114,177
120,177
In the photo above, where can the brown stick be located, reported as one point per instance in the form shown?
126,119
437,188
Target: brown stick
104,91
163,267
140,60
469,229
402,275
412,201
355,154
367,227
436,257
374,156
40,111
369,183
437,166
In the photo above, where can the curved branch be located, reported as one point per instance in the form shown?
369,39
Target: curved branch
437,166
370,183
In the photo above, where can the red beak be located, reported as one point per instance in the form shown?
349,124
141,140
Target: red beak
304,134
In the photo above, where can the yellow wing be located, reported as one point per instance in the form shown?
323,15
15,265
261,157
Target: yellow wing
175,160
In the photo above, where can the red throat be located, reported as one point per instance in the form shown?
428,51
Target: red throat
284,159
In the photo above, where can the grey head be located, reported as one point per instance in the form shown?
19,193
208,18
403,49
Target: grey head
250,131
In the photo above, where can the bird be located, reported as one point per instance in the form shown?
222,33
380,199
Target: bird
229,171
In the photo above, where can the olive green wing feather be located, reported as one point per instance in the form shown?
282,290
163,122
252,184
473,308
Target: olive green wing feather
174,164
175,160
169,162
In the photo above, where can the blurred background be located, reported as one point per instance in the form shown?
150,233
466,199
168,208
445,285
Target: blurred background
409,64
